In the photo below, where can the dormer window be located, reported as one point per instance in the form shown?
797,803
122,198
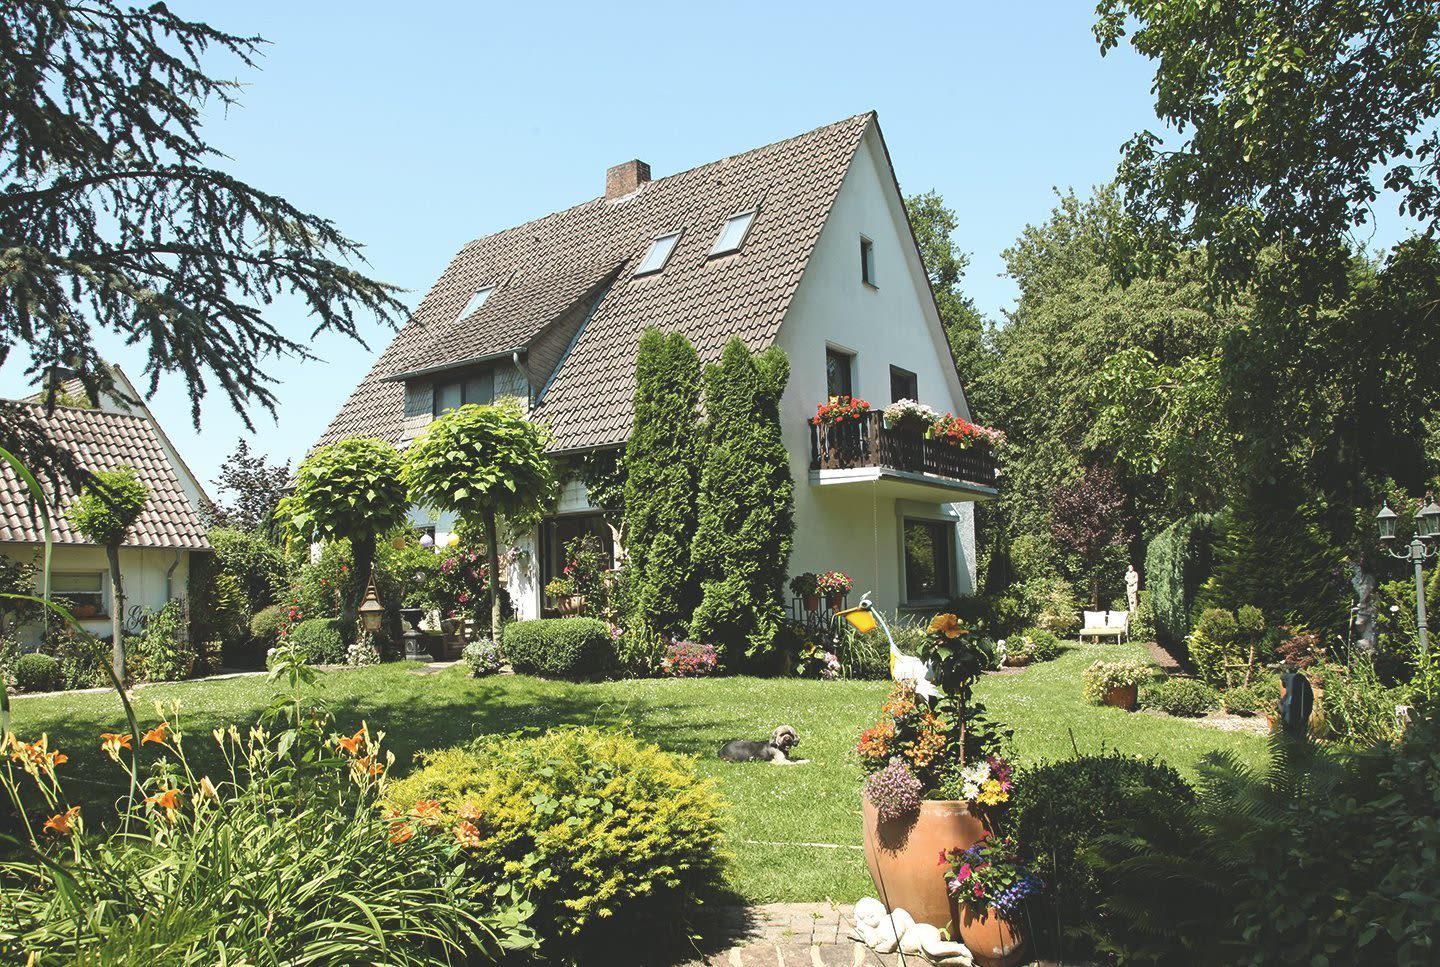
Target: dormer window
457,391
733,232
476,301
658,254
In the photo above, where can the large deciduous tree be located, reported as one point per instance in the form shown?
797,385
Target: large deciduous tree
1294,115
662,478
251,487
1087,519
747,504
348,490
484,462
114,216
104,513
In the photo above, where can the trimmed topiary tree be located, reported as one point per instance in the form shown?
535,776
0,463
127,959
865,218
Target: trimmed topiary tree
104,513
560,647
350,489
482,462
747,504
662,479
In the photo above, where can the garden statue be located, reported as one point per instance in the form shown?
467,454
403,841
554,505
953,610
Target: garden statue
1132,587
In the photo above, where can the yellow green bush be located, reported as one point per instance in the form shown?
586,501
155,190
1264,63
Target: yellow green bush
605,835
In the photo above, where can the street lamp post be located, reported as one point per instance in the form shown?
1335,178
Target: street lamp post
1417,552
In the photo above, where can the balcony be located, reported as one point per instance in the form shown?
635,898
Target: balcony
899,460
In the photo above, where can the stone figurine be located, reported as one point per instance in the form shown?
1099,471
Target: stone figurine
1132,587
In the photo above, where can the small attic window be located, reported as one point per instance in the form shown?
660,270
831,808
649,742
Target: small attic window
658,254
732,234
476,301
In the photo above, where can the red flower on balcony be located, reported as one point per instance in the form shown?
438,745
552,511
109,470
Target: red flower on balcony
840,409
963,433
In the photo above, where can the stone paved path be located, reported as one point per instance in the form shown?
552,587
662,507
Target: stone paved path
788,935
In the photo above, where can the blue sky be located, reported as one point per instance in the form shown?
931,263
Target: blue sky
417,127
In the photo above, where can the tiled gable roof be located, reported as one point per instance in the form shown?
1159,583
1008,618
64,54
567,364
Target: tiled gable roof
102,440
543,267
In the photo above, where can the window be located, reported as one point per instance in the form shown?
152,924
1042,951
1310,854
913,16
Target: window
658,254
558,533
732,233
85,592
838,380
867,261
476,301
903,385
473,388
929,549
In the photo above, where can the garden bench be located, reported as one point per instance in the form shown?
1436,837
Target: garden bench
1099,623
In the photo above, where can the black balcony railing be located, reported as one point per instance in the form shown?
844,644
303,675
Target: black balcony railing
868,443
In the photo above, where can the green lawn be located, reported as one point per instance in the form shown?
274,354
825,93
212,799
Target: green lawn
774,809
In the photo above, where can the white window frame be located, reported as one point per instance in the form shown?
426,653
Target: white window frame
720,247
649,265
107,603
906,511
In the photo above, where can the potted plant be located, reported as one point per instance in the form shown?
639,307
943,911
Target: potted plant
925,793
561,590
839,410
909,415
834,585
987,884
805,586
963,434
1115,683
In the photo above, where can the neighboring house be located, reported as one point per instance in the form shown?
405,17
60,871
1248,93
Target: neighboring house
803,244
117,430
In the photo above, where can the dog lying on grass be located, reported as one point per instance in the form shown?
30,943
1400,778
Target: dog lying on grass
773,751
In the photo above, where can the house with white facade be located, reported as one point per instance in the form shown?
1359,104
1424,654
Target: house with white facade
117,429
802,244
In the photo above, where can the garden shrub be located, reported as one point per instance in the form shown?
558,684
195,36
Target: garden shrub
562,647
1214,643
38,673
1037,643
162,653
1177,561
219,608
483,658
266,624
1181,696
1260,697
82,656
319,640
1058,810
609,838
253,560
1322,857
1356,707
639,649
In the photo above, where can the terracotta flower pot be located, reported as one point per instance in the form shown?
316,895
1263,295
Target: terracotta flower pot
1123,696
992,940
834,601
812,602
904,855
83,611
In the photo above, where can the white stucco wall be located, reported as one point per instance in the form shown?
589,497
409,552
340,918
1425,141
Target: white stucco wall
144,571
856,528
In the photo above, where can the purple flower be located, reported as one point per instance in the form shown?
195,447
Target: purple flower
893,791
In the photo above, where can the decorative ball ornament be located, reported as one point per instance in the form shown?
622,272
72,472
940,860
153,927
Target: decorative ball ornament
453,540
427,541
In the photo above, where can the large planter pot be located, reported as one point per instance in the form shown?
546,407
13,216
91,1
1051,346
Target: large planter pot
1123,696
571,605
812,602
834,601
993,941
904,855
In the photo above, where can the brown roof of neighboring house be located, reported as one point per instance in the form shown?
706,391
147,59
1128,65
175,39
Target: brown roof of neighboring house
543,268
101,440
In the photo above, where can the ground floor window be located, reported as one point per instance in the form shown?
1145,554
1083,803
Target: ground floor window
929,556
556,533
84,590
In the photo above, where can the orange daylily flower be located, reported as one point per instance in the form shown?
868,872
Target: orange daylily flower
113,742
34,755
157,734
169,800
947,624
401,833
366,766
354,743
470,810
428,810
467,835
60,823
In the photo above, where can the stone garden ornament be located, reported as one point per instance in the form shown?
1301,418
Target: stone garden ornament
885,933
1132,587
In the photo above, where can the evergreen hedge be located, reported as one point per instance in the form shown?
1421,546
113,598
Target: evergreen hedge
662,476
1177,562
747,505
559,647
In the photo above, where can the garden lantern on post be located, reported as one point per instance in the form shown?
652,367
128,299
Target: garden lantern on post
1418,551
372,612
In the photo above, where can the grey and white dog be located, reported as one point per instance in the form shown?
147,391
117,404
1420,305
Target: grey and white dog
774,751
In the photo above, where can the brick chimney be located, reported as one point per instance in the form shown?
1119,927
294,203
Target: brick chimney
621,180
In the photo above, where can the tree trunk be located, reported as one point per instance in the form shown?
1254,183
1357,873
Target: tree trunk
117,612
1094,591
492,561
363,550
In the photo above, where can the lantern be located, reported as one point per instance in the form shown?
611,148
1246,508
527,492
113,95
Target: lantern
372,612
1427,519
1385,520
427,540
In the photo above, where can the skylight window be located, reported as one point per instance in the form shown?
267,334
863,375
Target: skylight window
732,235
658,254
476,301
